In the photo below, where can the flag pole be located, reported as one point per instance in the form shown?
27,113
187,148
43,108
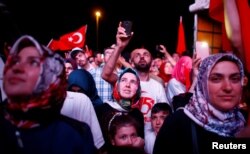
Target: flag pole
195,31
49,42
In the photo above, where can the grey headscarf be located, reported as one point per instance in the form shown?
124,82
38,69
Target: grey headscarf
52,65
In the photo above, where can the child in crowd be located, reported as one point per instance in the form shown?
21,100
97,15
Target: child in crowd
123,131
158,114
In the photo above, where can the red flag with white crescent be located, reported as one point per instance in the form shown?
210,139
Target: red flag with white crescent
70,40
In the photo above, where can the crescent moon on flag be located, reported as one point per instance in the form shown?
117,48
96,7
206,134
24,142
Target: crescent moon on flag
79,37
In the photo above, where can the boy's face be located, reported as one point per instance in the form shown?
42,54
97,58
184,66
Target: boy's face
157,120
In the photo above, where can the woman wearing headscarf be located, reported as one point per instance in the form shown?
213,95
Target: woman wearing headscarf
82,81
212,118
35,84
180,80
126,93
165,72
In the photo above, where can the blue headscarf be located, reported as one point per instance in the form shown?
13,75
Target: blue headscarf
86,82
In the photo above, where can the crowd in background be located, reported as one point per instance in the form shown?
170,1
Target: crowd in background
102,103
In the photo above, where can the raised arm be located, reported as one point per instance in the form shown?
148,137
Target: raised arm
168,57
122,40
195,70
232,24
123,62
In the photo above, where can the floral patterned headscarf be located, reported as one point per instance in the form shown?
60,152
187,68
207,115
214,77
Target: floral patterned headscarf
200,110
49,92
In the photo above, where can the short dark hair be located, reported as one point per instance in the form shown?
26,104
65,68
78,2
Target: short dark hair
161,107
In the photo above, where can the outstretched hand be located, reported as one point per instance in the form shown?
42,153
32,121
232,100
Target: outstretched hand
163,49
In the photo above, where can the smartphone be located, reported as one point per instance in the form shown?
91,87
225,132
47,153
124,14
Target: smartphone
157,47
127,24
202,49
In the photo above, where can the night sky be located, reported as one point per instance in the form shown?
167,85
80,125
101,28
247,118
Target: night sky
154,21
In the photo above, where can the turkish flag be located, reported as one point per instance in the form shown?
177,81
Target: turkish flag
181,44
70,40
88,52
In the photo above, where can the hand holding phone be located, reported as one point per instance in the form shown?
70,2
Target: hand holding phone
127,24
158,48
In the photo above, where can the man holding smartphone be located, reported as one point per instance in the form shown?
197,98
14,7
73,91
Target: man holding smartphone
141,60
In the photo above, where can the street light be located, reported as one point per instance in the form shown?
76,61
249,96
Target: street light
98,15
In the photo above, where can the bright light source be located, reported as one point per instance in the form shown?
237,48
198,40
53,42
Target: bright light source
202,49
98,13
204,44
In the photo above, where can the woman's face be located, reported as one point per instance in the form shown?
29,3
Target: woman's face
168,69
125,136
68,68
224,86
153,68
158,62
128,85
22,73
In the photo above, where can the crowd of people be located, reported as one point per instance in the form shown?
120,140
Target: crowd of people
106,104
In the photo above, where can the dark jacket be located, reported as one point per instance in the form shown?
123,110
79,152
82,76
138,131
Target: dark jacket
60,136
180,134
